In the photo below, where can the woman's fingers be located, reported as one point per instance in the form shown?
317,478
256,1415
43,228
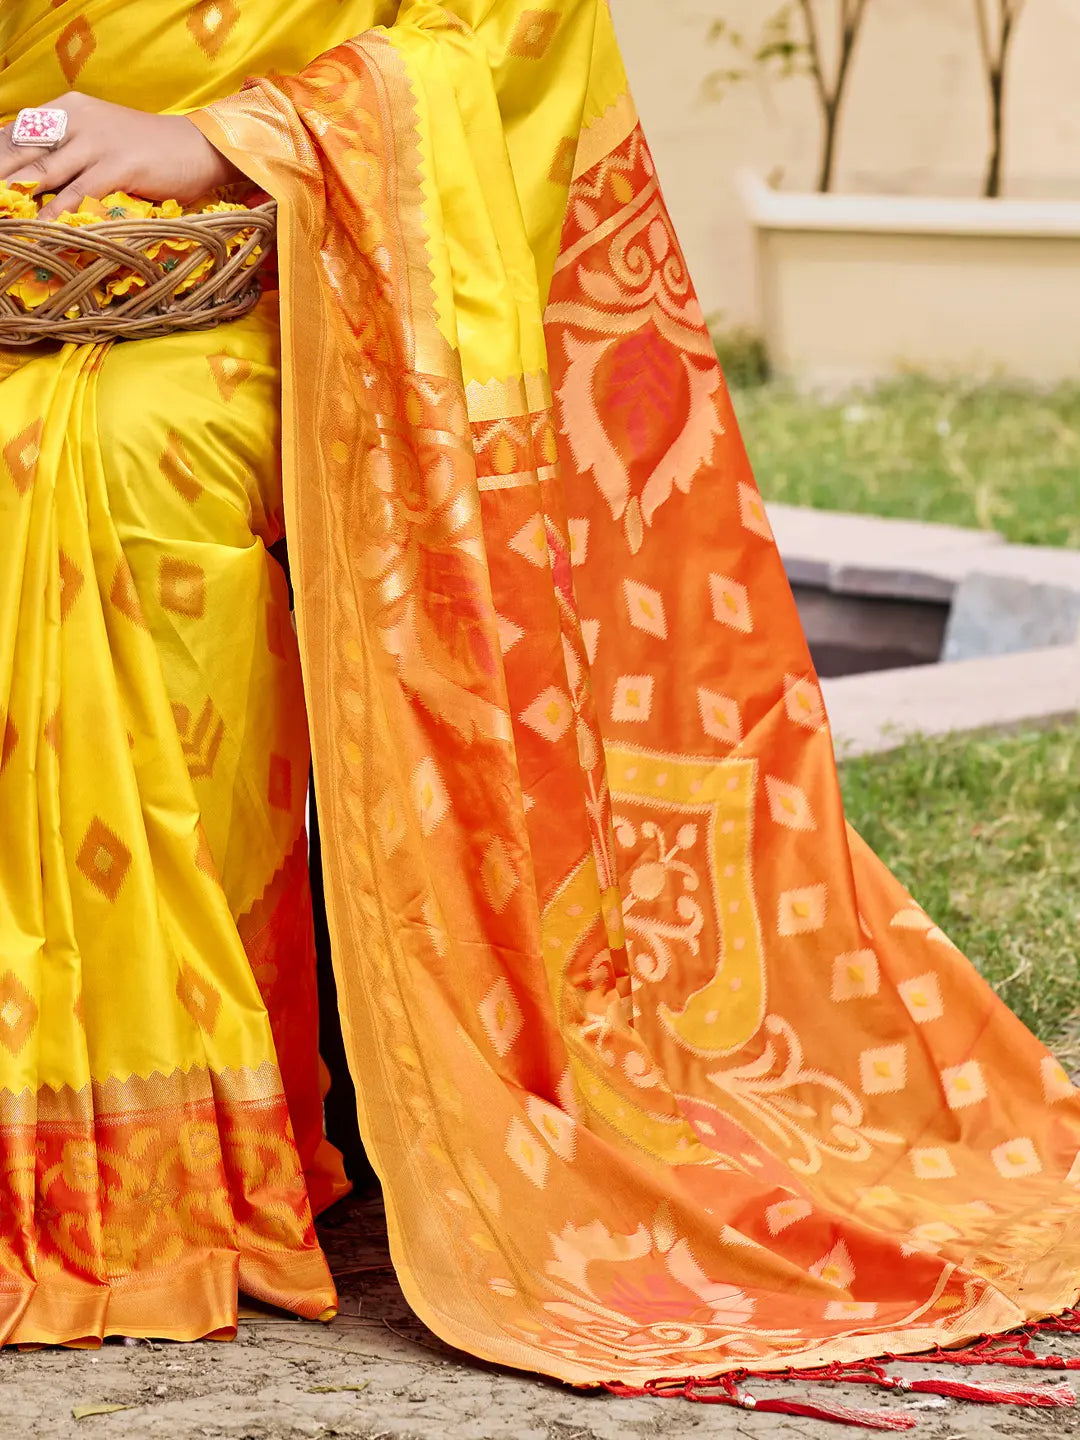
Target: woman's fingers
53,168
90,182
70,198
14,158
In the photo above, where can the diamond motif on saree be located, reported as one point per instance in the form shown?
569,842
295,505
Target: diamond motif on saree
199,998
802,911
178,469
21,455
71,583
182,587
104,859
645,607
500,1014
200,737
963,1085
124,596
788,805
74,46
883,1070
855,975
212,22
533,33
730,603
18,1013
9,740
922,996
550,714
720,717
632,702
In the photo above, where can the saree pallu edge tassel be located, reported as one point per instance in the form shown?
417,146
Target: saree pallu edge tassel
663,1073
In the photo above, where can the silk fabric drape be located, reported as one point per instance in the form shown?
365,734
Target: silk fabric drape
152,789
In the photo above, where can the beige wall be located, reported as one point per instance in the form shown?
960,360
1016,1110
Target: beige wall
915,123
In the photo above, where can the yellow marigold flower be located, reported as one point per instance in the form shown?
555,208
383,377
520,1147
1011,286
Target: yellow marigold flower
196,277
78,220
169,251
121,206
90,212
229,207
17,202
122,284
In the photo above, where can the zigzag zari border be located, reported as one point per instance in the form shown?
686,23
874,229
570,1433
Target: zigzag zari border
141,1094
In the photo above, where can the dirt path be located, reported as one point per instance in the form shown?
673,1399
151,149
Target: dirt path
283,1380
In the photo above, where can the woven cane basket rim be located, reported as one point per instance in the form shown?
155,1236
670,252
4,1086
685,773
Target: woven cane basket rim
229,289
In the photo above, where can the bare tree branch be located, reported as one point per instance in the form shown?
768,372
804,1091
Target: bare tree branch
983,22
784,50
817,65
996,25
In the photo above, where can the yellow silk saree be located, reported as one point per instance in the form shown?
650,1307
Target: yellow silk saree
662,1072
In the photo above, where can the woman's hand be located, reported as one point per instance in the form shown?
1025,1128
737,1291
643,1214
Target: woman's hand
109,147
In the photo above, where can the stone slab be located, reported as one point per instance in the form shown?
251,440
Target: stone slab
871,555
1004,598
908,559
881,711
1000,615
1034,564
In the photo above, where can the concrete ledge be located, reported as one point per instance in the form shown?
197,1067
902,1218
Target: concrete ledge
882,711
771,209
1003,598
855,288
871,555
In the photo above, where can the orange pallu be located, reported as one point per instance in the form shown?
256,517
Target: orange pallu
663,1073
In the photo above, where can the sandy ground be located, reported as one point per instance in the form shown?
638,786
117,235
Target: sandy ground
377,1374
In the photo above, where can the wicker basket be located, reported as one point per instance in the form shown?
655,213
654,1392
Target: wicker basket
83,260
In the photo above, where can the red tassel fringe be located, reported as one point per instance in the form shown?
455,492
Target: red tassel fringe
1013,1350
725,1390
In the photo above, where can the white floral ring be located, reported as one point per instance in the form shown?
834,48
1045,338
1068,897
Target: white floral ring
44,129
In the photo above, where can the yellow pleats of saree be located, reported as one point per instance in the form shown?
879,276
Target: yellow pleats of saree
154,773
663,1073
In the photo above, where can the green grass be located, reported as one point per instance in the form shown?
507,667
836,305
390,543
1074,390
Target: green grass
984,832
986,456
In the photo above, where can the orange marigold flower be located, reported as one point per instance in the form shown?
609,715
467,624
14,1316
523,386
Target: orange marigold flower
34,287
